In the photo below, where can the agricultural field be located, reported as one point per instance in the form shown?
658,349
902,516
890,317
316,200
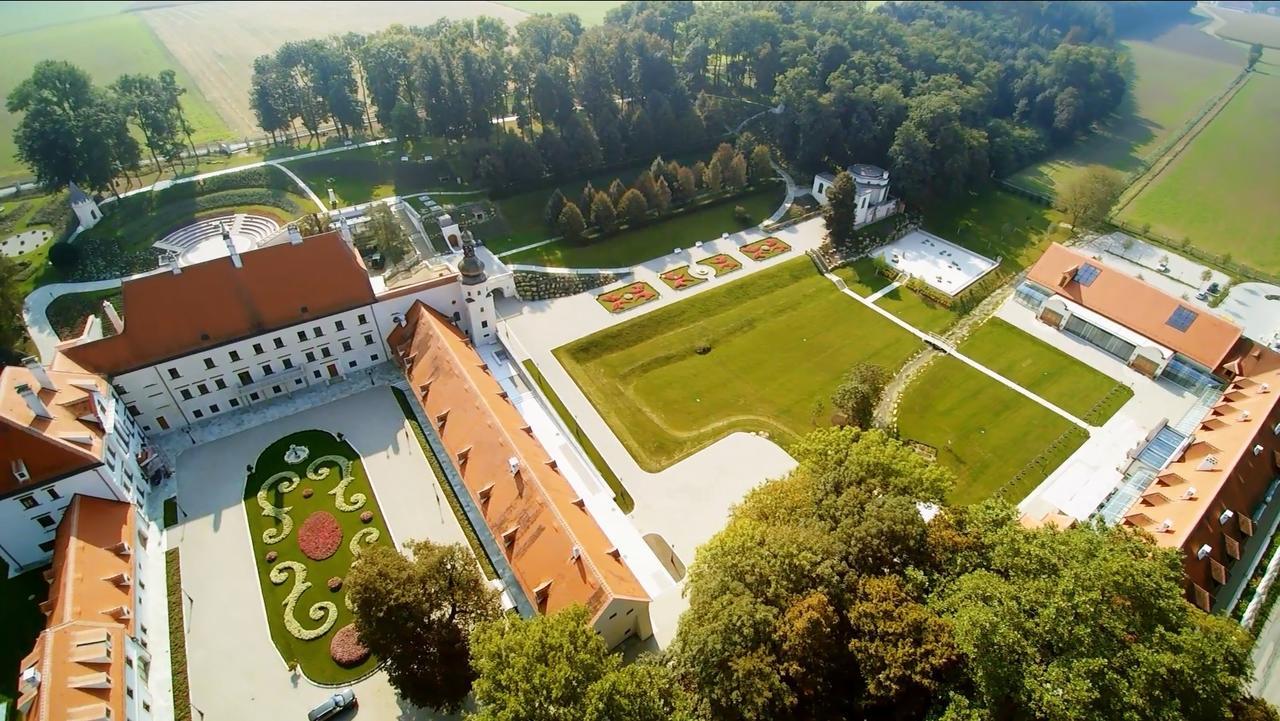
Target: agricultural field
21,17
244,31
984,432
106,47
780,341
1245,27
592,12
1173,77
1221,191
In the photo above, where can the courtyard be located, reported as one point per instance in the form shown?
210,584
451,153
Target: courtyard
237,637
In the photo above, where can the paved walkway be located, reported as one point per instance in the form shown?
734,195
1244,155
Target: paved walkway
224,605
301,184
883,291
36,305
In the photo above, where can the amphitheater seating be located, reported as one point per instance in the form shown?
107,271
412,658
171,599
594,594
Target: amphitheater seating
254,227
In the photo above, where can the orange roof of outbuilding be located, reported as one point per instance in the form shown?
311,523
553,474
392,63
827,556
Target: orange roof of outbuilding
535,515
168,315
1228,431
49,448
1136,305
90,581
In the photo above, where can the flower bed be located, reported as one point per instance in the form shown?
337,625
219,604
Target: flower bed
680,278
627,297
320,536
764,249
345,649
721,264
310,541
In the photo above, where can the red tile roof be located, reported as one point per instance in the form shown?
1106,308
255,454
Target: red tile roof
169,315
49,448
1136,305
550,539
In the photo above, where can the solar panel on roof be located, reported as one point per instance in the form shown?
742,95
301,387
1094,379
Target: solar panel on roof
1086,274
1181,318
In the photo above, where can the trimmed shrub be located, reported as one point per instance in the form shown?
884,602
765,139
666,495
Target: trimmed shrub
63,255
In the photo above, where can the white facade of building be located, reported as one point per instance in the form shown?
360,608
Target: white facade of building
29,517
871,187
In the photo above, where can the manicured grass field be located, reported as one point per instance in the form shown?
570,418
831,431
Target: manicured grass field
591,12
521,221
1173,77
364,174
920,312
312,655
984,432
20,599
620,494
1221,191
651,241
780,341
105,47
998,225
1046,371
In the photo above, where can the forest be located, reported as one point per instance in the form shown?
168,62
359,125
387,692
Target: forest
942,93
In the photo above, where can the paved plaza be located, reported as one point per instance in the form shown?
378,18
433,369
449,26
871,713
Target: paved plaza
235,670
938,262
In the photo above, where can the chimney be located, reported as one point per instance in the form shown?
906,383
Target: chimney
36,405
109,309
174,267
231,246
295,235
345,229
42,376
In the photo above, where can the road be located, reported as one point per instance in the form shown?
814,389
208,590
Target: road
1266,661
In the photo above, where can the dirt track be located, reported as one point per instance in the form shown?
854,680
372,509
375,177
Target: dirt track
217,41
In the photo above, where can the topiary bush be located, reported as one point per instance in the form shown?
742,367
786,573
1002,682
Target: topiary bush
64,256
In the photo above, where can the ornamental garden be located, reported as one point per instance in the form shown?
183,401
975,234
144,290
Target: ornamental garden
311,513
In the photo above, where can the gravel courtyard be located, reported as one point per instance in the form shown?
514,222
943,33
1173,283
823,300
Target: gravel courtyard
235,670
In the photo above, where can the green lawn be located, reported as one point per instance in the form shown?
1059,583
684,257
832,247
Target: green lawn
591,12
181,685
20,599
920,312
520,220
1173,77
998,225
105,47
1221,191
984,432
312,655
780,341
364,174
1046,371
620,495
631,247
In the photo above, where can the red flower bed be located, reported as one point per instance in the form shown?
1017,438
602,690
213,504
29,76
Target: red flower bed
345,649
320,536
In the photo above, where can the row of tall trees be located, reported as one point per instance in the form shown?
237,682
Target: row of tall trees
848,589
72,130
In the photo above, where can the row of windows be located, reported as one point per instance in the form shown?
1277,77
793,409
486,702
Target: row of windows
30,500
255,396
278,342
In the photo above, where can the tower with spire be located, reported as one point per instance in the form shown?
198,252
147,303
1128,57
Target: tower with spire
84,206
479,317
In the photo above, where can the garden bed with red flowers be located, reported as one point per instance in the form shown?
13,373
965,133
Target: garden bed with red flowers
721,264
764,249
303,547
680,278
627,297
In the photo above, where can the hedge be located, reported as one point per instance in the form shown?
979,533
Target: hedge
177,639
261,177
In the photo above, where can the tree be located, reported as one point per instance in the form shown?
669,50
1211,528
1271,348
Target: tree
554,668
713,179
645,185
418,613
1089,198
685,188
12,331
555,204
761,164
404,121
142,98
603,215
859,392
1255,54
633,207
662,198
840,211
588,196
63,255
736,176
571,223
616,191
314,224
389,237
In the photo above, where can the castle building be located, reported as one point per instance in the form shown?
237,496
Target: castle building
84,206
871,193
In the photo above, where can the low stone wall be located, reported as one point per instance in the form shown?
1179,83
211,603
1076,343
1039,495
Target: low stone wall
544,285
